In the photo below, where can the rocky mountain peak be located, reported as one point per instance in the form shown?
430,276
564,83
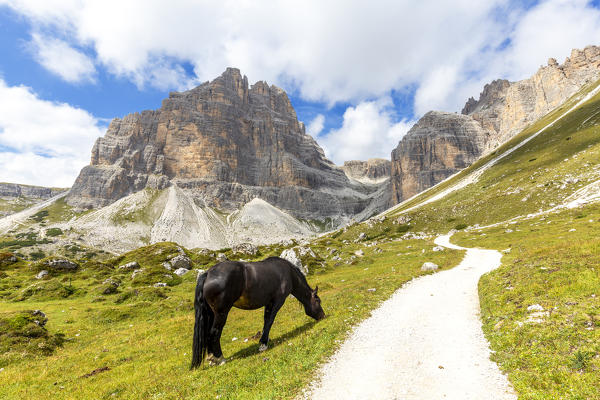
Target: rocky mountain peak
491,94
437,146
589,57
443,143
224,143
505,108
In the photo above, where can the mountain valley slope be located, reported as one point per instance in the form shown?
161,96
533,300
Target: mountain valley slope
122,323
441,144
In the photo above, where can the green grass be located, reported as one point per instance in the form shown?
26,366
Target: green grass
527,180
54,232
559,269
12,206
144,339
124,338
23,336
20,240
526,133
545,262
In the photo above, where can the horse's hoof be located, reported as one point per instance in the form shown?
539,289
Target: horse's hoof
262,347
216,361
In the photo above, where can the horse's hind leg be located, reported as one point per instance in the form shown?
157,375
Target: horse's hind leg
216,354
270,313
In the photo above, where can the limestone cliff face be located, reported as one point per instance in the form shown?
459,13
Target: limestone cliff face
437,146
505,108
15,190
16,197
225,143
374,170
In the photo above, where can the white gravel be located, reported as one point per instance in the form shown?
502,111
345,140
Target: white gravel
425,342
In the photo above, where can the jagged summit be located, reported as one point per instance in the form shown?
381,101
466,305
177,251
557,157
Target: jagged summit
437,146
504,108
225,143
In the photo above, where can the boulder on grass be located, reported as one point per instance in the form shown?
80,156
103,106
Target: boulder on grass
131,265
245,248
42,274
429,266
181,261
181,271
291,256
60,264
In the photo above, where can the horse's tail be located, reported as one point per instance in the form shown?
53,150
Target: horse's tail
202,323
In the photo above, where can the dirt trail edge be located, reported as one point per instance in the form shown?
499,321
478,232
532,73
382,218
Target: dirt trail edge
425,342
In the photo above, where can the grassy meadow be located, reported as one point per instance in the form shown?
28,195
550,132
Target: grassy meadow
113,335
135,341
552,261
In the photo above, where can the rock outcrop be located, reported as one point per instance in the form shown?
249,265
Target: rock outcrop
373,171
16,197
224,143
437,146
15,190
505,108
441,144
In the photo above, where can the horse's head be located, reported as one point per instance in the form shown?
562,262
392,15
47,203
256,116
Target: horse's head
313,308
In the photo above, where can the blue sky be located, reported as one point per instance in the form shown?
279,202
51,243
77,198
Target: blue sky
110,96
359,76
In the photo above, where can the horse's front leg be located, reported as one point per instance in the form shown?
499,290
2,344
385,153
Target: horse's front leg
270,313
214,349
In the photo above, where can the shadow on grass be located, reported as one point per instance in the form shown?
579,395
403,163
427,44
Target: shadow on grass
253,348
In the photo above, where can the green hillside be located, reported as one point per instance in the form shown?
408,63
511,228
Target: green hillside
539,175
551,259
110,333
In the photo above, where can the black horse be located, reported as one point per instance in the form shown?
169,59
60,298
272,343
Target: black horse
245,285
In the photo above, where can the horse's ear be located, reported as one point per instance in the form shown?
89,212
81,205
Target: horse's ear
316,289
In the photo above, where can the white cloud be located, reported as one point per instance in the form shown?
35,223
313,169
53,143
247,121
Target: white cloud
552,29
61,59
368,131
42,142
30,168
435,89
334,51
315,126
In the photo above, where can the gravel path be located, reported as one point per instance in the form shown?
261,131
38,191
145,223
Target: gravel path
425,342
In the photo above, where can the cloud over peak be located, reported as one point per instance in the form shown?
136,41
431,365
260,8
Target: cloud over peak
58,57
43,142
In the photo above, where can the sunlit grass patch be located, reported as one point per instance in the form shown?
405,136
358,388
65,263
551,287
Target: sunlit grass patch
138,345
552,261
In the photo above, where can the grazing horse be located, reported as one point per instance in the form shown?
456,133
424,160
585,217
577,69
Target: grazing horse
249,286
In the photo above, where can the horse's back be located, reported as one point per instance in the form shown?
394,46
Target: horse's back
273,271
224,283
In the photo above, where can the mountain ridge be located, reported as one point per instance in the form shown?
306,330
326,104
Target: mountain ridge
224,143
503,110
